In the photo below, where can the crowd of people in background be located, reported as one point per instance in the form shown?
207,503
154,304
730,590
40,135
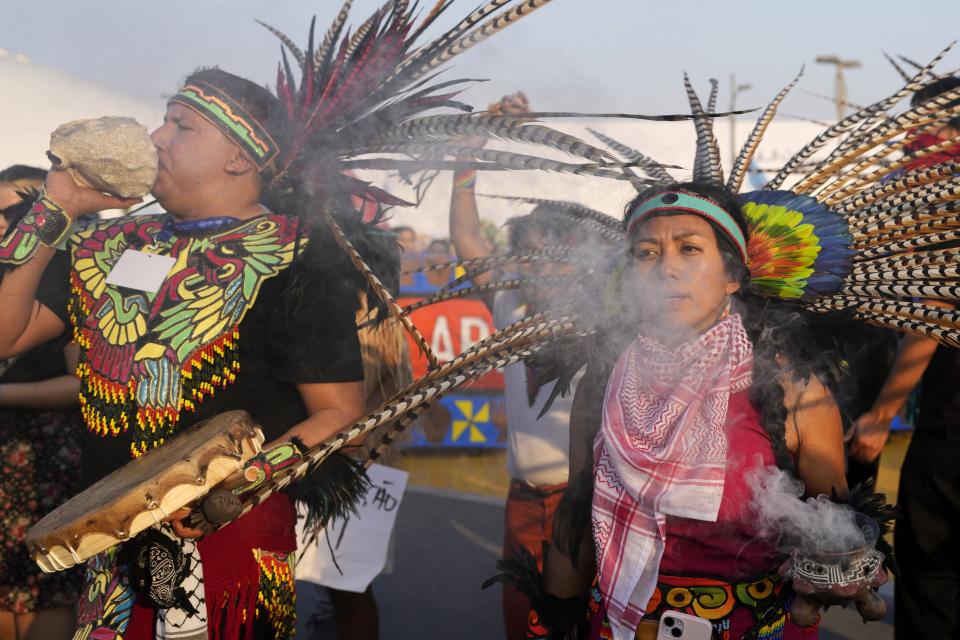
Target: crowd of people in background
575,461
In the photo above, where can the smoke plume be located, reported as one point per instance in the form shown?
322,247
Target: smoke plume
813,526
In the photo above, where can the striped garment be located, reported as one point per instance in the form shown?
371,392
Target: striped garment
661,451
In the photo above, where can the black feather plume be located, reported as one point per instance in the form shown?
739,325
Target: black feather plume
330,492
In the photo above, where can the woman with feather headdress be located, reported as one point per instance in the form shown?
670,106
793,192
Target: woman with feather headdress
705,369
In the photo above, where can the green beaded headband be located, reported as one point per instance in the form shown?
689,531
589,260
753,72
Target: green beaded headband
229,116
694,204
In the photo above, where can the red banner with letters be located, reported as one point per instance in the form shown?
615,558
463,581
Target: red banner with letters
449,328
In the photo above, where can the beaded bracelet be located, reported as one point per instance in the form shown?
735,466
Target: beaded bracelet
464,179
45,224
50,222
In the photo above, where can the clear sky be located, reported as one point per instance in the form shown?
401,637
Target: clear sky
591,55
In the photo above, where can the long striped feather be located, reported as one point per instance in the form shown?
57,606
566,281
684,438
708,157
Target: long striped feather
324,51
924,258
438,8
499,161
912,201
295,51
575,207
897,315
653,168
419,394
896,234
848,123
912,179
712,100
905,309
410,68
910,244
706,166
488,262
490,27
905,290
878,116
923,114
917,65
502,127
488,287
856,182
739,169
903,74
378,288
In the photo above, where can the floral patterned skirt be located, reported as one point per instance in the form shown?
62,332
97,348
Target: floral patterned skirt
39,470
732,608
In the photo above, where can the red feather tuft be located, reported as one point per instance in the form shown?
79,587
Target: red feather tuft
284,93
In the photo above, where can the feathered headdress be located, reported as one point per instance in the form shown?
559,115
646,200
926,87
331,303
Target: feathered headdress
358,100
857,229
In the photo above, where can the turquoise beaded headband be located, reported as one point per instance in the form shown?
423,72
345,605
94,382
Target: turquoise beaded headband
682,201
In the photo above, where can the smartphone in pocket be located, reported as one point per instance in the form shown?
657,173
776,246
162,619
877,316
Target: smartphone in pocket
683,626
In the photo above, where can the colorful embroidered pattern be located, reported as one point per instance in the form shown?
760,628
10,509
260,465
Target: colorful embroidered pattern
231,118
148,356
276,599
710,599
798,247
45,224
106,601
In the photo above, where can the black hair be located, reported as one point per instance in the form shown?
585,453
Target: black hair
18,172
541,219
28,193
779,330
256,100
935,88
445,244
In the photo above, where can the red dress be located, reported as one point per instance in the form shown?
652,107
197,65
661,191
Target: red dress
721,570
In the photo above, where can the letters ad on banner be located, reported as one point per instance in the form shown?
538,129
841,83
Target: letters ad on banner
474,416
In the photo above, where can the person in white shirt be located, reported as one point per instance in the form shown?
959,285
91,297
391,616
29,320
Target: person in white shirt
537,447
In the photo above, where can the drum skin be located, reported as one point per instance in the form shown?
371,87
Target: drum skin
145,491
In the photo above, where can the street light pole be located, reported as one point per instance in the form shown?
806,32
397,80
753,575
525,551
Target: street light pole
735,89
840,84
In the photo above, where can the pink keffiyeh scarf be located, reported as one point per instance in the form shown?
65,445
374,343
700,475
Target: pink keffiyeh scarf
661,450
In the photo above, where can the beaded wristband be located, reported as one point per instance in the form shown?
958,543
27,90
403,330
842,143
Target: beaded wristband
45,224
464,179
51,223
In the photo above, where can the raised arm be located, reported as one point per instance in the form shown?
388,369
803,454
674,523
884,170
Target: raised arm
24,322
466,233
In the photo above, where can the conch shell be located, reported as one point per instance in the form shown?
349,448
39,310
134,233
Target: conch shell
110,154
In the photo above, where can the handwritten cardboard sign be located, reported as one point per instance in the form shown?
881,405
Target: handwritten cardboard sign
349,554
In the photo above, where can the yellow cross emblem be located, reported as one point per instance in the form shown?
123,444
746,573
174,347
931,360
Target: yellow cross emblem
470,421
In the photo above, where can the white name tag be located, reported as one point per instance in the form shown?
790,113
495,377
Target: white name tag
140,271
